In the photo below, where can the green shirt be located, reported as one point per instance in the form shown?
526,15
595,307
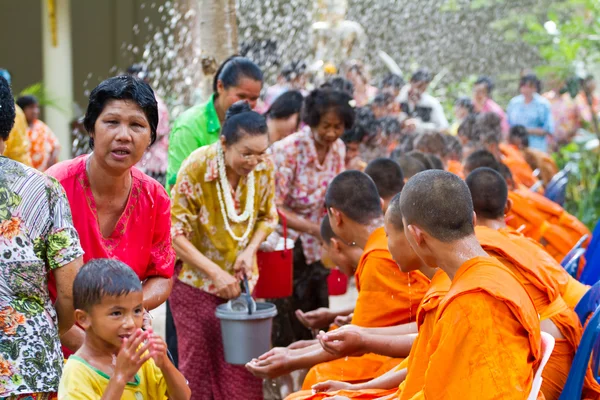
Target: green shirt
199,126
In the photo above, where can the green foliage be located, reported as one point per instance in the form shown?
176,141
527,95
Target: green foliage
583,190
44,98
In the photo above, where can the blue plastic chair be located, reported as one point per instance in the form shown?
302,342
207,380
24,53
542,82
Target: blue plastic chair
573,265
594,243
588,303
571,252
556,190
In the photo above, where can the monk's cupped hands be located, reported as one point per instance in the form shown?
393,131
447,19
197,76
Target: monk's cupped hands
346,341
331,386
272,364
320,318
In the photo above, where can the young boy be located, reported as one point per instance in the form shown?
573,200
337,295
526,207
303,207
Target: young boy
117,359
352,138
388,177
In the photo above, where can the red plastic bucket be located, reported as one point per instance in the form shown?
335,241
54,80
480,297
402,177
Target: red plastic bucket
337,282
275,269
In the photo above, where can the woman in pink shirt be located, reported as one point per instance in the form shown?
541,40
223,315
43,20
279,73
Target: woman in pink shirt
482,102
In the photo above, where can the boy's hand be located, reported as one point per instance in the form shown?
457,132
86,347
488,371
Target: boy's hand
131,357
158,349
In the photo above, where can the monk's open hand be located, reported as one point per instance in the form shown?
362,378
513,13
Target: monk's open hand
331,386
342,320
301,344
317,319
342,342
271,364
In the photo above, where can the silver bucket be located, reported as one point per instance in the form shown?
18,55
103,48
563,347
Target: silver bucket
246,336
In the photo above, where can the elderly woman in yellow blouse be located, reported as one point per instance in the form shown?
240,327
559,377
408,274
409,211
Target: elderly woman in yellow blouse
223,208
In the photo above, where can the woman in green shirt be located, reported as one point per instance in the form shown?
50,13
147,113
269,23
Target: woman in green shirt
237,79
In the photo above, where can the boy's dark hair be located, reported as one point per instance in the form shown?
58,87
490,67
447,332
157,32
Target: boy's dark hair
394,213
410,166
353,135
387,175
519,132
480,158
392,80
103,277
421,75
326,232
355,194
488,191
421,157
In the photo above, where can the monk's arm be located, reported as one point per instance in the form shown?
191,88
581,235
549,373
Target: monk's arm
404,329
346,342
390,346
310,358
389,380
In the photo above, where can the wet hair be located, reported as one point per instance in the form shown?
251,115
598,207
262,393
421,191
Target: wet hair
341,84
353,135
440,203
410,166
366,121
481,158
488,191
530,79
488,128
421,75
321,101
387,175
293,70
389,125
123,87
487,81
519,132
421,157
355,194
286,105
465,102
431,142
326,232
240,120
435,161
453,147
382,100
394,213
103,277
26,101
392,80
7,109
467,128
232,70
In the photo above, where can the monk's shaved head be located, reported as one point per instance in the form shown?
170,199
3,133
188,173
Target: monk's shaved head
394,214
480,158
355,194
440,203
387,175
435,161
326,232
410,166
421,157
489,192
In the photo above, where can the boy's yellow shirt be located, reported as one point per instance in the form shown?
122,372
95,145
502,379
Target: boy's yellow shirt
82,381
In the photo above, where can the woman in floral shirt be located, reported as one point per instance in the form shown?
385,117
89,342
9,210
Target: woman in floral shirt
223,208
36,236
305,163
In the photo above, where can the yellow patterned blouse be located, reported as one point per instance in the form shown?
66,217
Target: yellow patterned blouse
17,145
196,213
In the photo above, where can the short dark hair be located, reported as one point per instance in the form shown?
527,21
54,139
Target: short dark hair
326,232
240,120
353,135
355,194
26,101
504,171
487,81
530,79
123,87
103,277
233,69
435,161
394,213
421,75
453,146
410,166
382,99
465,102
431,142
321,101
339,83
467,128
520,133
387,175
392,80
440,203
488,191
7,109
389,125
421,157
488,128
480,158
286,105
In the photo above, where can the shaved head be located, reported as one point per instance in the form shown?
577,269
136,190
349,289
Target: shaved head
354,194
421,157
480,158
489,192
387,175
435,161
410,166
326,232
440,203
394,214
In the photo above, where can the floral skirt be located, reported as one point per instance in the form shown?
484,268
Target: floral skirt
32,396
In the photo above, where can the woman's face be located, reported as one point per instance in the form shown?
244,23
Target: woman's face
121,134
244,155
32,113
460,112
247,89
279,128
330,128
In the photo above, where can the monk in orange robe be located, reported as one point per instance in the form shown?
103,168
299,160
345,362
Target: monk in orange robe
410,373
387,297
540,160
514,160
486,341
539,273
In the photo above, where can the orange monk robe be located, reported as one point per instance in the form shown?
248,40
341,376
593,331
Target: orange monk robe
456,168
386,297
541,161
486,342
520,169
416,362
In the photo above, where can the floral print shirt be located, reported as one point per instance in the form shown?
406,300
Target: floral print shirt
196,213
43,144
301,181
36,236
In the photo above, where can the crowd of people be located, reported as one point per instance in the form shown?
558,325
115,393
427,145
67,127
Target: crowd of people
454,249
